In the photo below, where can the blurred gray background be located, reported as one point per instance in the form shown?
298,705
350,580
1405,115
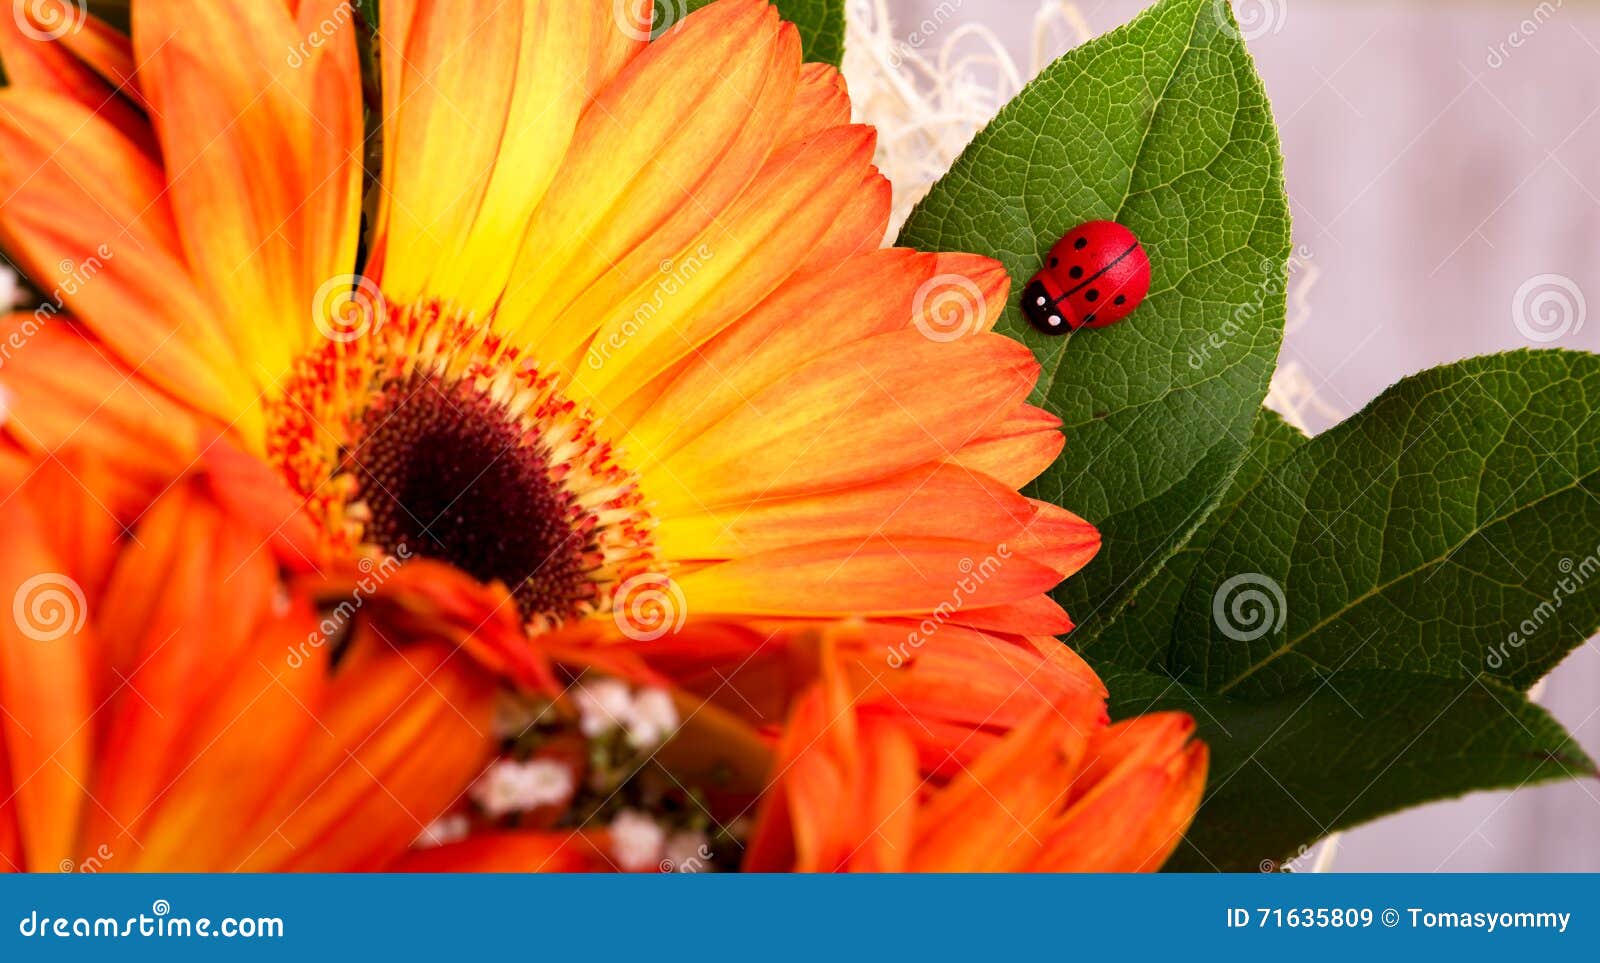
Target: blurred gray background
1443,163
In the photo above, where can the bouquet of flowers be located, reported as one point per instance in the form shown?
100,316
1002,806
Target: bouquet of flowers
459,435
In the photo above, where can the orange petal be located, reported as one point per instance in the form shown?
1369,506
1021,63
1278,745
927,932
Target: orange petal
193,616
1017,449
1058,538
658,157
88,218
278,105
802,321
401,736
960,675
858,227
480,103
875,408
76,56
12,858
821,101
1137,795
648,317
991,815
64,390
47,661
846,791
871,576
930,500
619,40
1037,615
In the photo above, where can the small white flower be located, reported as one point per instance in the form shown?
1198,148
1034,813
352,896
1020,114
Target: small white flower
10,289
636,841
652,720
603,705
449,828
510,786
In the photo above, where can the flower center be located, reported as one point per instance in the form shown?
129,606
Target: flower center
429,434
447,472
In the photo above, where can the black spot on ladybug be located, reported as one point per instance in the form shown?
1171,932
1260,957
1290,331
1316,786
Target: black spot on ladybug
1054,261
1088,319
1091,295
1080,243
1121,299
1076,272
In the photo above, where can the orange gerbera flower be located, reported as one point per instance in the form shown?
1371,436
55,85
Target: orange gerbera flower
624,317
178,695
1061,792
618,341
151,721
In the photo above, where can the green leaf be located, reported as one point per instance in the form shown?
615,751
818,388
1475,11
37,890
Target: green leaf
1141,636
1164,126
821,24
1448,529
1340,750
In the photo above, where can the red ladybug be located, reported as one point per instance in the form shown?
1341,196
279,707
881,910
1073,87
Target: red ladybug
1093,277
